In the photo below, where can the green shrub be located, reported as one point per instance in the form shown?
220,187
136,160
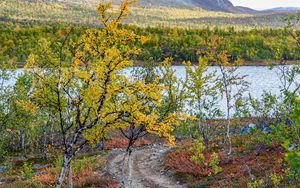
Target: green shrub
27,171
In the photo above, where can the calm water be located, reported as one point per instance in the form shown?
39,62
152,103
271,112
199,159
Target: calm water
260,78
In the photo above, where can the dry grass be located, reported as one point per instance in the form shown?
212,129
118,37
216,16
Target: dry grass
86,173
88,178
235,172
48,178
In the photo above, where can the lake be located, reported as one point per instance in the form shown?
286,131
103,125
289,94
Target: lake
261,79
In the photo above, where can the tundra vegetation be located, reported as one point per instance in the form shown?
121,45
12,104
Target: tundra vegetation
71,103
83,12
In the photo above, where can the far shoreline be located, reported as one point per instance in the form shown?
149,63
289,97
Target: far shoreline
246,63
260,63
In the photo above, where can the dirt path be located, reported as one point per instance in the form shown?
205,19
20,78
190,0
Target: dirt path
147,168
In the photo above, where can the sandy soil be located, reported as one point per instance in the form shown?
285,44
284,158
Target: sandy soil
147,168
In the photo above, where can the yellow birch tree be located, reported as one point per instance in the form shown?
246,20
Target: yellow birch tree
82,85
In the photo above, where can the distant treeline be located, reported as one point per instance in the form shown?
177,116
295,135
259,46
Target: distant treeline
18,40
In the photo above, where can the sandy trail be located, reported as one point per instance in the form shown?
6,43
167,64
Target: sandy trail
147,168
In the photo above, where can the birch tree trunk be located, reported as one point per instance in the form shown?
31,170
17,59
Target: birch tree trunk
228,127
63,171
70,176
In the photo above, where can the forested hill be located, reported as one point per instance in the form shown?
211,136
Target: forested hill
167,13
210,5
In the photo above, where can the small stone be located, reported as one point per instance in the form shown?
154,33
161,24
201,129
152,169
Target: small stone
247,129
40,166
2,168
18,158
292,147
40,172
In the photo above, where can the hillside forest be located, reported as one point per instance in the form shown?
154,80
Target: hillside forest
254,45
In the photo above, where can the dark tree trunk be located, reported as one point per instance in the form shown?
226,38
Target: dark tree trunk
44,145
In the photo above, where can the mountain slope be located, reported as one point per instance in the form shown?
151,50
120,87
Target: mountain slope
167,13
220,5
210,5
284,9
